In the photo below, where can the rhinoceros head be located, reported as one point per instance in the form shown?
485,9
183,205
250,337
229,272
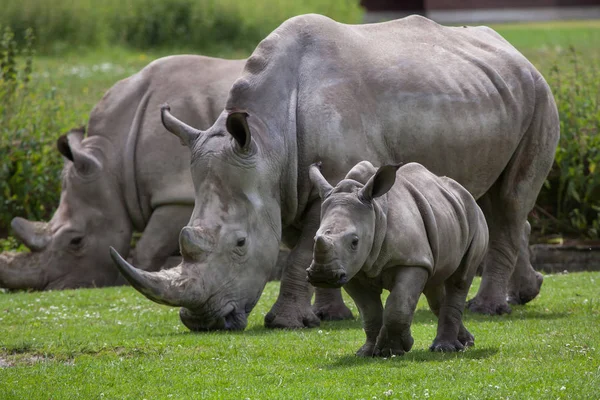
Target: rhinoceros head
346,234
72,249
231,242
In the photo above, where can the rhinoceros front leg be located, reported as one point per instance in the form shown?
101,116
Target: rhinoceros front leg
368,301
406,286
160,239
329,305
292,309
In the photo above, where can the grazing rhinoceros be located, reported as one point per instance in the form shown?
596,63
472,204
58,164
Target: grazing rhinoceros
461,101
406,231
126,175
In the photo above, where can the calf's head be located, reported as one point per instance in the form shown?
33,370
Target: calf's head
231,242
70,251
346,236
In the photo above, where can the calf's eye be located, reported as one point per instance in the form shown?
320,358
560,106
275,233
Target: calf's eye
76,242
241,242
354,243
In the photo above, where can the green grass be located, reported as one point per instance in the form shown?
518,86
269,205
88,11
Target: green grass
113,343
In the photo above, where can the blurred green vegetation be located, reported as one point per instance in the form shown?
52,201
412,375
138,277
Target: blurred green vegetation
196,24
54,90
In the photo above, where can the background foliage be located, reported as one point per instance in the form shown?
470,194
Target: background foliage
200,25
84,48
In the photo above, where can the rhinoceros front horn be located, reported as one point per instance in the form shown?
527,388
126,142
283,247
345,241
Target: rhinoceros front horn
34,235
186,134
167,287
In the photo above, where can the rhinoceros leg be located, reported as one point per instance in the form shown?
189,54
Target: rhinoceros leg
292,309
329,305
368,301
435,297
406,285
160,239
525,283
508,202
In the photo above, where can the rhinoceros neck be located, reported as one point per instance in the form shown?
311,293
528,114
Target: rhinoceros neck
267,89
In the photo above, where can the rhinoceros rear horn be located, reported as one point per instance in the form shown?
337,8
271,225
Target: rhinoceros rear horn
34,235
186,134
166,287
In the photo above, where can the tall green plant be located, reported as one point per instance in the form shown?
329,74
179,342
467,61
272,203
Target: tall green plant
571,197
29,169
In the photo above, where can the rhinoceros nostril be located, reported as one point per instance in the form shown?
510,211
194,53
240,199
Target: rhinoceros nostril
342,278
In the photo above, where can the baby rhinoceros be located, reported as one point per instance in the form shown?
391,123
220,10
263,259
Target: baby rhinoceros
405,230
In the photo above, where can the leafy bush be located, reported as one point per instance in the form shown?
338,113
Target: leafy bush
570,201
201,25
29,118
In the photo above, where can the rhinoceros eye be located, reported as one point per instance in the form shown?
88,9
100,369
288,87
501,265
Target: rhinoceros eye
76,242
241,242
354,243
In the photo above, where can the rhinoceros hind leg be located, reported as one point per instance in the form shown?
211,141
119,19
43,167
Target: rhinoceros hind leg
329,305
525,283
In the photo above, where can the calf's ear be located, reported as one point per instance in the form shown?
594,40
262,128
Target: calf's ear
70,146
379,184
317,179
237,126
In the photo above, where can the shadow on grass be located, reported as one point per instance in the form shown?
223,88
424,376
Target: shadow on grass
418,355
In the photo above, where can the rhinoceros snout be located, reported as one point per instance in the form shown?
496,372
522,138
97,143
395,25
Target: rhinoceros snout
236,320
325,277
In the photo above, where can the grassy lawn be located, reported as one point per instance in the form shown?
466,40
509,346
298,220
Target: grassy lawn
113,343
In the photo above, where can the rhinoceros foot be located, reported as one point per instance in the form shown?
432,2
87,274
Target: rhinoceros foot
332,312
291,317
367,350
465,337
488,307
393,344
446,346
524,291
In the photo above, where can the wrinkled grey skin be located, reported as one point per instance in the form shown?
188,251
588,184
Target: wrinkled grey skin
406,231
126,175
461,101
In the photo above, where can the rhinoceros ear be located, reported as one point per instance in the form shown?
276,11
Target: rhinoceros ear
319,180
379,184
69,145
237,126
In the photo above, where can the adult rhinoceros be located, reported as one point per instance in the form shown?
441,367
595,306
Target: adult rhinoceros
126,175
461,101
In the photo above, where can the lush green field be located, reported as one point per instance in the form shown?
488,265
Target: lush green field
113,343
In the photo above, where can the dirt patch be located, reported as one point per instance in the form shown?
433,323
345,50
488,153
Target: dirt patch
4,363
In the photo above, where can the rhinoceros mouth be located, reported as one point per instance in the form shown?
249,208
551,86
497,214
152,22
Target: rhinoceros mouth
232,319
330,275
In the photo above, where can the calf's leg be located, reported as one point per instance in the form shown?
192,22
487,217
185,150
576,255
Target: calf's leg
406,286
368,301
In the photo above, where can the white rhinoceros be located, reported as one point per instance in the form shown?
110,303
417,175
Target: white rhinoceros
461,101
126,175
407,231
